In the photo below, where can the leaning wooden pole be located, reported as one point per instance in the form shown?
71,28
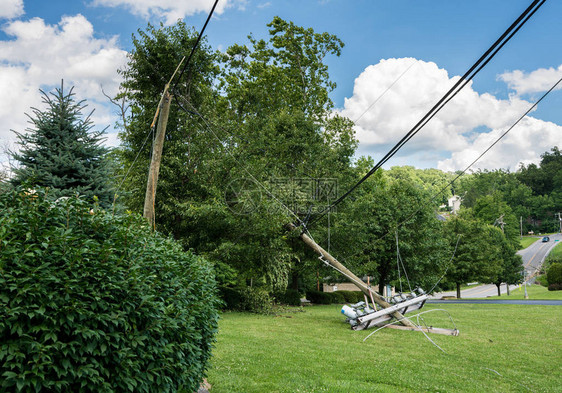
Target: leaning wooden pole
150,195
354,279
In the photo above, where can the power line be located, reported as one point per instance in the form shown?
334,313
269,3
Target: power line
195,46
133,163
386,91
458,86
151,130
432,198
210,128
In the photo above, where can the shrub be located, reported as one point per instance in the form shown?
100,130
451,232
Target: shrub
318,297
256,300
337,297
290,297
232,298
91,302
352,296
541,280
555,287
554,274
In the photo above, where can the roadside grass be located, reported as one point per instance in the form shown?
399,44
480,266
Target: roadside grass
535,292
556,252
501,348
527,241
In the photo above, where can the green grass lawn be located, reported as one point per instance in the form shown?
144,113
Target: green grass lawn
556,252
501,348
536,292
527,241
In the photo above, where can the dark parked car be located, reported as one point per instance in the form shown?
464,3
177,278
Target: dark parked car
545,239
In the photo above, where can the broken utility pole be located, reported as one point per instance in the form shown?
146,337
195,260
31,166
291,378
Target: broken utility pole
354,279
150,196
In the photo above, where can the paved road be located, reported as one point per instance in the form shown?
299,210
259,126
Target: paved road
498,301
533,257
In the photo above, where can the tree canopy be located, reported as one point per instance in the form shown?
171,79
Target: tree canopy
238,142
253,143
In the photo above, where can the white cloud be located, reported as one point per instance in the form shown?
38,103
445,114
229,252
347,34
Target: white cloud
11,9
461,130
533,82
523,144
39,55
170,10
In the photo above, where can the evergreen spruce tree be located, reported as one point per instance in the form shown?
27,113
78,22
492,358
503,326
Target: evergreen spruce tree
62,152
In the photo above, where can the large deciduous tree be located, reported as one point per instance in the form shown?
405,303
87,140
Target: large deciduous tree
386,208
62,152
510,265
258,123
476,255
493,210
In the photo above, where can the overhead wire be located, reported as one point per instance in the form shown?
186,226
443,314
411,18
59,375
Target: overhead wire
448,265
452,92
132,165
196,44
256,181
432,198
399,258
385,91
151,130
531,108
398,262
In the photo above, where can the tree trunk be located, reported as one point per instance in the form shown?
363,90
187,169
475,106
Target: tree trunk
295,281
499,290
458,290
507,285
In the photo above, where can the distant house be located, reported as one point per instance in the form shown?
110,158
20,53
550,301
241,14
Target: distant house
454,203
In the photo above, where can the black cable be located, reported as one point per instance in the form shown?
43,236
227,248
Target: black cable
432,198
477,71
195,46
458,86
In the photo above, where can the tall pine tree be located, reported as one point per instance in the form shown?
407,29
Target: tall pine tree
62,152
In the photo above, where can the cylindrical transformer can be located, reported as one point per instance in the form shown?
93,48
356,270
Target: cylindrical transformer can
348,312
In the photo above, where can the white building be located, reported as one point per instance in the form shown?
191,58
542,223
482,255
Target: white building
454,203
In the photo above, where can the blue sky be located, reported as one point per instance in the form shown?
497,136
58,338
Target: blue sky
84,42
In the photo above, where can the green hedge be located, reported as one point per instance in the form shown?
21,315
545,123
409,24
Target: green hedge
251,299
290,297
337,297
91,302
318,297
554,274
256,300
352,296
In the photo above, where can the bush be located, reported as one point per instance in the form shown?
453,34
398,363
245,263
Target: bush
554,274
290,297
541,280
90,302
337,297
352,296
256,300
318,297
555,287
231,297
